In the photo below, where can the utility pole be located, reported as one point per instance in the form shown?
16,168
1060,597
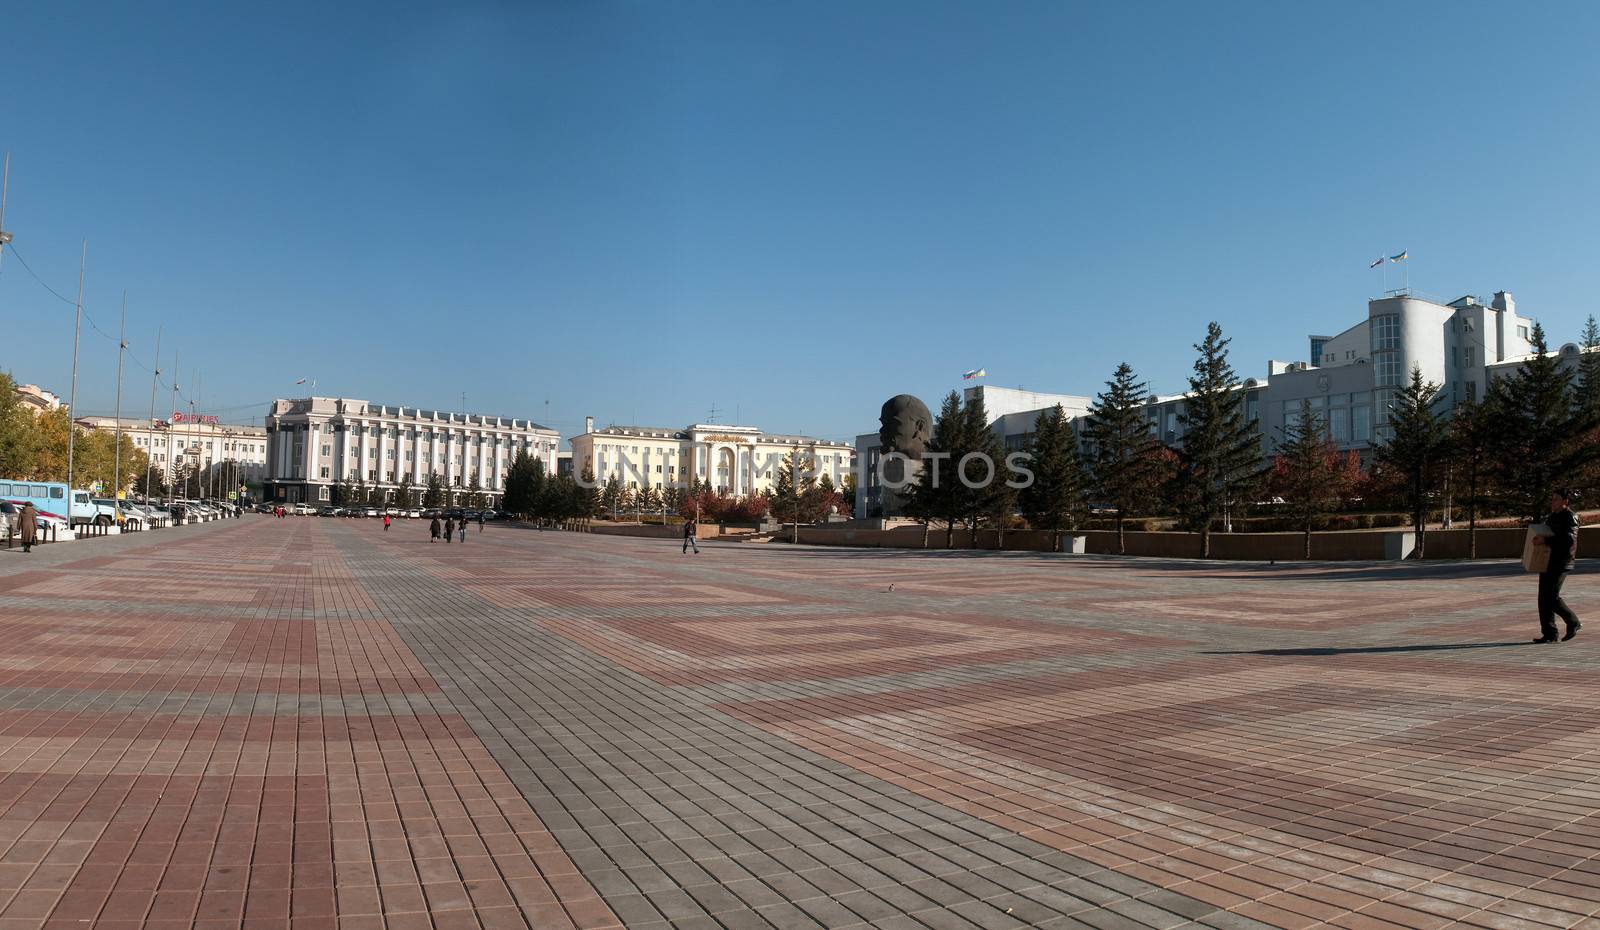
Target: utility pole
72,405
149,458
116,453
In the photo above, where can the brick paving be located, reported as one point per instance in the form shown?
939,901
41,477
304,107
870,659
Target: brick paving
314,724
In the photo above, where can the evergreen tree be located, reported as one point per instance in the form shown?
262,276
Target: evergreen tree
522,490
1125,454
934,495
1544,434
558,502
1588,381
536,483
1416,448
1308,471
1219,460
1472,427
433,496
475,496
611,495
405,496
985,453
1054,501
585,498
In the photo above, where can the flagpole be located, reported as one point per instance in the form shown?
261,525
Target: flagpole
116,468
150,436
72,406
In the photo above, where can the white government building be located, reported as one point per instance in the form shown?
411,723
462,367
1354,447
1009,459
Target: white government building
314,443
1350,381
196,442
736,460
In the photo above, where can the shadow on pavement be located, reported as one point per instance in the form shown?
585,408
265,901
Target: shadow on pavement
1354,650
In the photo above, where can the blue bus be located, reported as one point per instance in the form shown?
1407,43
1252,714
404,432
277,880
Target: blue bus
50,499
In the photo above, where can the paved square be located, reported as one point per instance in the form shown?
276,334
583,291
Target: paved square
318,724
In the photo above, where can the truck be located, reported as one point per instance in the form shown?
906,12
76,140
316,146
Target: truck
50,499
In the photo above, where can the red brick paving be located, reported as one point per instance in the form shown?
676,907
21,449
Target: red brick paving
1004,741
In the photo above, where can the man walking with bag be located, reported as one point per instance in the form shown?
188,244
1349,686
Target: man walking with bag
1563,543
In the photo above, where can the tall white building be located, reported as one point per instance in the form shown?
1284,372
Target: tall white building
737,460
314,443
196,443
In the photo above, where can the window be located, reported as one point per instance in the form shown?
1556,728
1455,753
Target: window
1472,390
1522,331
324,471
1388,365
1361,423
1385,332
327,450
322,493
1471,352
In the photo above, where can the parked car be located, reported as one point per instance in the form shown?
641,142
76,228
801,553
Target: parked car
131,516
413,514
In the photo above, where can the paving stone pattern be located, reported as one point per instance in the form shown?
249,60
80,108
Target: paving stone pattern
315,723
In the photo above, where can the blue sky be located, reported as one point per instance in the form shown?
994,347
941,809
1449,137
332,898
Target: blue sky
791,211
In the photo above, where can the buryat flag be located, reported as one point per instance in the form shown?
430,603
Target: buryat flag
1401,257
974,373
1376,263
301,381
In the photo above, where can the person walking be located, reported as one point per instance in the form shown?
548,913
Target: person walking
449,528
689,535
386,523
461,530
480,521
29,518
1563,543
433,529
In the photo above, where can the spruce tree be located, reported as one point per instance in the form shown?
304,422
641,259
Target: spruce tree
534,488
1416,448
1472,427
433,496
934,495
992,498
1054,501
1588,382
585,498
1219,459
1308,471
1124,451
1544,435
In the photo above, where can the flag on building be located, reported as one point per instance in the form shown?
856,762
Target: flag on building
301,381
1399,258
1376,263
974,373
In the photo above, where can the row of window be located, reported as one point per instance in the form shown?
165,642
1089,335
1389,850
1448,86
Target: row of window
248,448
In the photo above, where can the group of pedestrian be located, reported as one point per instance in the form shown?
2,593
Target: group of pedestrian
450,527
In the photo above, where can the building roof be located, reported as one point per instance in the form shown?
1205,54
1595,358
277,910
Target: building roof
143,423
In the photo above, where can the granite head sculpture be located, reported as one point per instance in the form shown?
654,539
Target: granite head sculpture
904,425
